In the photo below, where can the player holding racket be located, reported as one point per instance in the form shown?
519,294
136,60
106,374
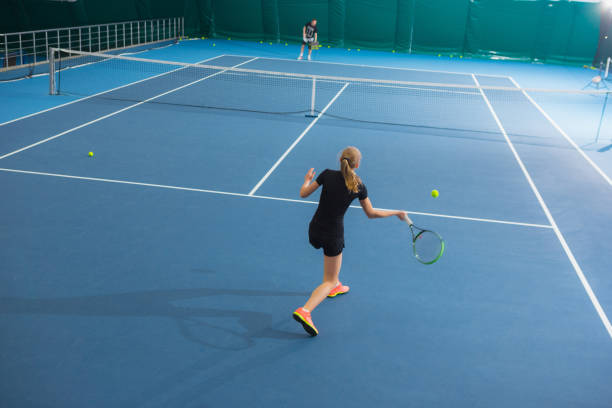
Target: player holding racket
309,37
326,229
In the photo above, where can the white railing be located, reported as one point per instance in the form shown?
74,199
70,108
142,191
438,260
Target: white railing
32,47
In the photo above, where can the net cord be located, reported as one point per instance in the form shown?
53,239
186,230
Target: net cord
353,80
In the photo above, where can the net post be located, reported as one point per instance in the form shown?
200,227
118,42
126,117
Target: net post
34,46
47,44
313,96
182,26
51,52
607,67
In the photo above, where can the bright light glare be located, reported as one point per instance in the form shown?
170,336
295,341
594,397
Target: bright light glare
607,3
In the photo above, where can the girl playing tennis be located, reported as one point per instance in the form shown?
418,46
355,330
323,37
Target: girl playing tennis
326,229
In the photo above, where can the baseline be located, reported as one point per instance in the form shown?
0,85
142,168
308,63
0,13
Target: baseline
290,200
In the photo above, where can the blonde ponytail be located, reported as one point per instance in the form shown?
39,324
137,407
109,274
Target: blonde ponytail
349,159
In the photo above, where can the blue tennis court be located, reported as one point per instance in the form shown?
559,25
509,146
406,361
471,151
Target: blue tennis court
163,270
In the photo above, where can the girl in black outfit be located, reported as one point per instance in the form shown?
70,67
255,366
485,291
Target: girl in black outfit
326,229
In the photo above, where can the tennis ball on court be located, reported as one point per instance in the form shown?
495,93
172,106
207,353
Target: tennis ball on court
349,49
358,49
435,193
329,46
286,44
270,43
214,45
393,51
461,56
90,154
229,38
439,55
261,42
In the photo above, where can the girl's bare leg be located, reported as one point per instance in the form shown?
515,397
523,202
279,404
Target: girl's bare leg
331,271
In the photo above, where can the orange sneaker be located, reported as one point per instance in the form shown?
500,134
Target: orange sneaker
338,290
302,316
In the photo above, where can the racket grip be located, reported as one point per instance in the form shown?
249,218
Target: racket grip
408,221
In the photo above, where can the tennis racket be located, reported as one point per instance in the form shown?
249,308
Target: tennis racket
427,246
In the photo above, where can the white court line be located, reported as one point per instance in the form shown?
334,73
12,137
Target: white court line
565,135
290,200
118,111
551,220
367,66
99,93
296,141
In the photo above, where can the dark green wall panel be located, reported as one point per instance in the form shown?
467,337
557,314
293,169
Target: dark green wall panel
239,19
370,23
440,25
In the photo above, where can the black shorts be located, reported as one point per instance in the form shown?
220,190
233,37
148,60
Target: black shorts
308,43
332,245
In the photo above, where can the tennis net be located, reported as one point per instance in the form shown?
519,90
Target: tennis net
235,87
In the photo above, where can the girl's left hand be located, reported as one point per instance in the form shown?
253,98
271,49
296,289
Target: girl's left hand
309,176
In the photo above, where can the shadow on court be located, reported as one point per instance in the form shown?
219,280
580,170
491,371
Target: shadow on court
210,327
605,148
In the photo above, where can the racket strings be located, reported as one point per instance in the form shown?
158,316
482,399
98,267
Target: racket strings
428,247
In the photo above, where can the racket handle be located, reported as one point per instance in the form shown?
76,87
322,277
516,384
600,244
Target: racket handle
408,221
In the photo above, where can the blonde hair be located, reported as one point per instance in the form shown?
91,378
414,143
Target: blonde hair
349,159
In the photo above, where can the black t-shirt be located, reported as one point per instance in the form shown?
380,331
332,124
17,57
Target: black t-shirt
310,30
335,200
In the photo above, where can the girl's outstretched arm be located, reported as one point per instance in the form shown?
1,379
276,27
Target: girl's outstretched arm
371,212
309,186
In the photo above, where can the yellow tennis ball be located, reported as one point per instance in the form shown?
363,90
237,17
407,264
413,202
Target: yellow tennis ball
435,193
286,44
393,51
270,43
261,42
229,38
461,56
90,154
439,55
214,45
329,46
358,49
